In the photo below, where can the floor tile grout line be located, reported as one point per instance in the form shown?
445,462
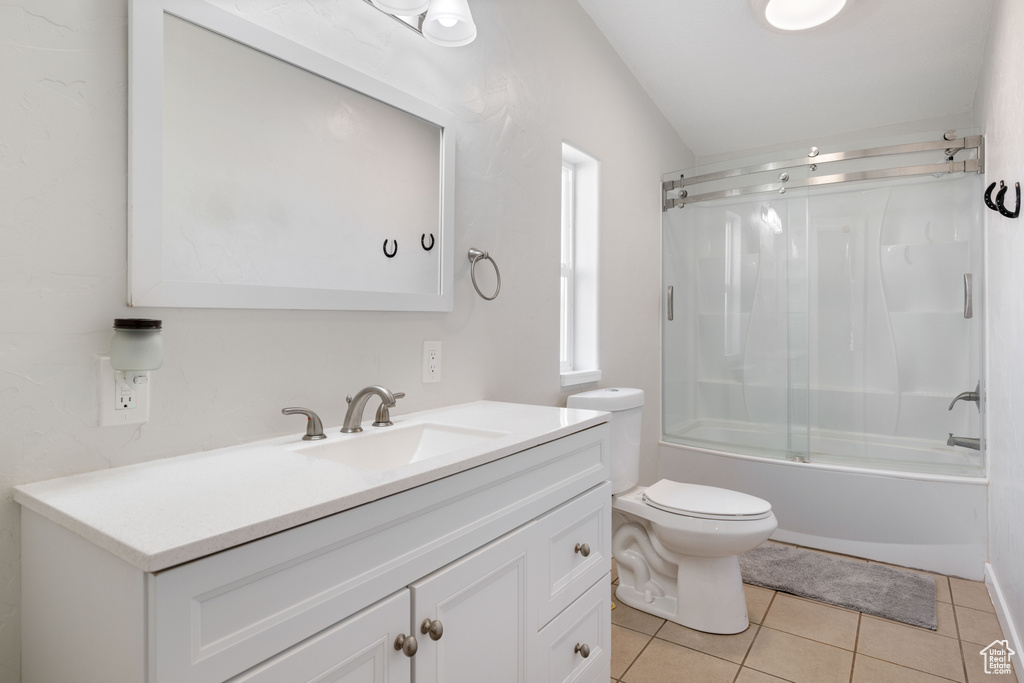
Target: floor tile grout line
823,604
956,627
750,647
638,654
856,642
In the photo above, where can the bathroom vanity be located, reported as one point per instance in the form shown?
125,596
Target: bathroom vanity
476,549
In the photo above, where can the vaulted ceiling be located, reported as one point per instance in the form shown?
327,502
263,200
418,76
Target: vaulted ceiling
727,83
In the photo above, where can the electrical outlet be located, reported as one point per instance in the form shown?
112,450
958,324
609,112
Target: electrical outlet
431,361
123,397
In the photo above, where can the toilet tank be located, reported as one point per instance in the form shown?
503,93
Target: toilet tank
626,406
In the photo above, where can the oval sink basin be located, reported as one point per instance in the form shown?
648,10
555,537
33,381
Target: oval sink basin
393,447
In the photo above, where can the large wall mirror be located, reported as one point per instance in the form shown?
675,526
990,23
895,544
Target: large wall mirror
266,175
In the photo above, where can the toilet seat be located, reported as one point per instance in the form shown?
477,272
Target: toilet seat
705,502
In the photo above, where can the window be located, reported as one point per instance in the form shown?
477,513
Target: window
578,360
568,258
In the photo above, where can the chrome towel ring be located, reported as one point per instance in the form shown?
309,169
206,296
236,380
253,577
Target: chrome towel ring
477,255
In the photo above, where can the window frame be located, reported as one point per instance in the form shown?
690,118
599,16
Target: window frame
579,302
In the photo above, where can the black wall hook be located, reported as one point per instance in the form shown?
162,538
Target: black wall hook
392,254
988,197
1002,207
423,243
999,203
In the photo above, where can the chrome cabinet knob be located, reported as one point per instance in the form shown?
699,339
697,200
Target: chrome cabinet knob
434,629
407,644
582,650
583,549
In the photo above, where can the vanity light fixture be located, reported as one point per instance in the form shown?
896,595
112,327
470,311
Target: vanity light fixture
448,23
791,16
402,8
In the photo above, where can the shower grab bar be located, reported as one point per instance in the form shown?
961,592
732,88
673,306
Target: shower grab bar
968,295
813,158
970,165
670,302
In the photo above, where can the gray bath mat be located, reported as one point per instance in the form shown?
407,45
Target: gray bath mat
870,588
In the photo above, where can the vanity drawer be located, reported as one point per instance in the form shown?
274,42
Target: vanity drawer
585,622
575,550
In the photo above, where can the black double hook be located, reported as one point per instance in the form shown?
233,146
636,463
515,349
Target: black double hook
998,204
423,241
392,254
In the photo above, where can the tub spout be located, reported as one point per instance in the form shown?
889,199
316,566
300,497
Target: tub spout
963,442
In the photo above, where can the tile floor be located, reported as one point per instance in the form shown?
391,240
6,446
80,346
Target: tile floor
802,641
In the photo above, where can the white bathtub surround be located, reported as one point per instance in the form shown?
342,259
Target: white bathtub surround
936,523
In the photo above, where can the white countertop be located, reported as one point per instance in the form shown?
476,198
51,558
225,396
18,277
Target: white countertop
158,514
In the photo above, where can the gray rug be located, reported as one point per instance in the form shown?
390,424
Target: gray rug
870,588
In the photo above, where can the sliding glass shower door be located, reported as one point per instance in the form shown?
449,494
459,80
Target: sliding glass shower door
825,324
735,356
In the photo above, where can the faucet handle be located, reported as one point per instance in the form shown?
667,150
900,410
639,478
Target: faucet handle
383,418
314,428
974,396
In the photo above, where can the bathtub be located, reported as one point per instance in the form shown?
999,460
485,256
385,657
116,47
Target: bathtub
934,522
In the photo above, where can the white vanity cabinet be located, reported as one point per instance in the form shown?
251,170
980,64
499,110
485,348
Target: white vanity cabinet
511,558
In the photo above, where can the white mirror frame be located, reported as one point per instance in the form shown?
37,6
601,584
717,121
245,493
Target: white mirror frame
145,170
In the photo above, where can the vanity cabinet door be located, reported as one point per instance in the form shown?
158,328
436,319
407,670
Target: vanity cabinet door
359,649
486,614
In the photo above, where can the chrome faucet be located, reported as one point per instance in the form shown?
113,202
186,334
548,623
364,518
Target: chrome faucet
963,442
357,403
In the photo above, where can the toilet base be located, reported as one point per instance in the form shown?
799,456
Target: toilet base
709,596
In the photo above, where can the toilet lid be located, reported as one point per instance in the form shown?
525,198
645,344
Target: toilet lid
706,502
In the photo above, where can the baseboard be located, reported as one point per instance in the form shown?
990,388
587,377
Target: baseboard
1005,618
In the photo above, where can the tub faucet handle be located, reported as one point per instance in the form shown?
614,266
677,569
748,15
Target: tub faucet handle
974,396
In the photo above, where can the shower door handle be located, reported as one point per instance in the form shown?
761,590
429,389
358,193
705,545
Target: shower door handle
968,295
670,302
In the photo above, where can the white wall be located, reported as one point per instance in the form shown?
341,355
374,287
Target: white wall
538,73
1000,109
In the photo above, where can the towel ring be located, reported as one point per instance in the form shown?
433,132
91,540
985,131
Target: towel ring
477,255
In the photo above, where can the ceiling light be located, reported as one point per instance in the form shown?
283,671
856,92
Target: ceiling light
402,8
798,15
449,23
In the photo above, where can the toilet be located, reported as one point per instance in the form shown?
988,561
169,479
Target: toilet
676,545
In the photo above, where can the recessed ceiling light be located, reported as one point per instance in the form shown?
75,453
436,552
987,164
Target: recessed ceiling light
790,16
